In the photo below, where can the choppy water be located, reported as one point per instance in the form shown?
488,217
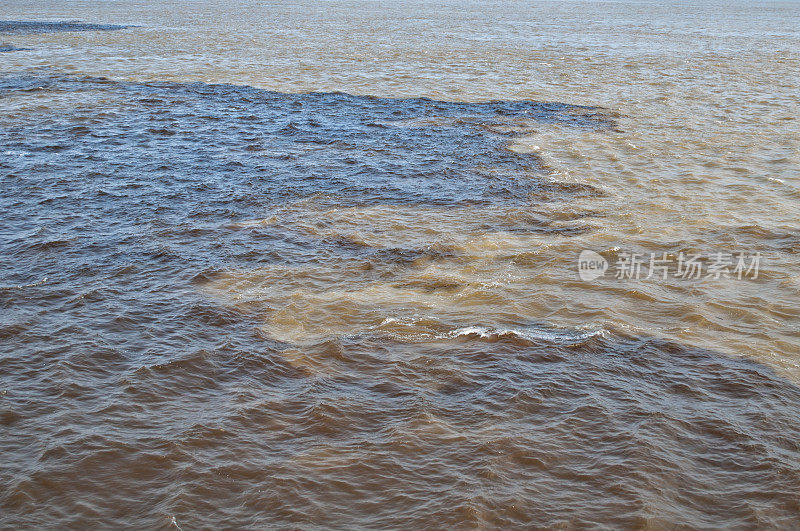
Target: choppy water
315,264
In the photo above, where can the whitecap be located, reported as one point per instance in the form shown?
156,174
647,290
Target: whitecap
532,335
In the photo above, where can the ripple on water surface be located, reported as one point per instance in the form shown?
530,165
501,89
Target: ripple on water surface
253,308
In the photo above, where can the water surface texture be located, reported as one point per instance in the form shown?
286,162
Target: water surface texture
30,26
316,264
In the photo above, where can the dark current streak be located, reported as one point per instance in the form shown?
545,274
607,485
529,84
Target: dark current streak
11,48
29,27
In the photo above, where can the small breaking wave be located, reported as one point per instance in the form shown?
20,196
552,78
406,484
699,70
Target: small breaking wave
530,335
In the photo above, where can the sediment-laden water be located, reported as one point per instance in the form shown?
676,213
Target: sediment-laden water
311,265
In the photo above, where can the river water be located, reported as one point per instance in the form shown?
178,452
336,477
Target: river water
317,264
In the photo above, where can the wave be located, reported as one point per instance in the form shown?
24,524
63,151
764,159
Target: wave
529,334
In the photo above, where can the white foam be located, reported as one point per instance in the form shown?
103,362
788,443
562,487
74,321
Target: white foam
529,334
